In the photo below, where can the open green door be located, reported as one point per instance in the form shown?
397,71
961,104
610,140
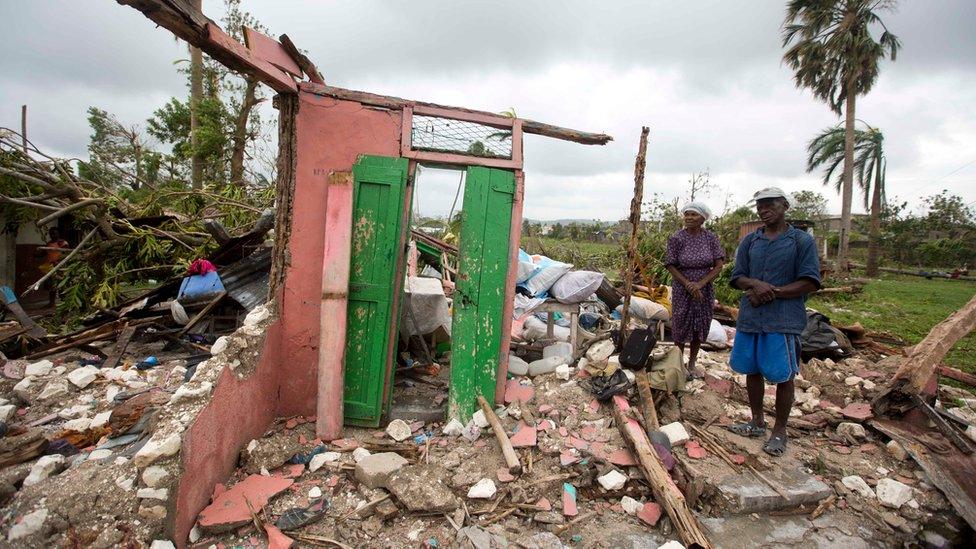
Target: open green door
376,233
479,297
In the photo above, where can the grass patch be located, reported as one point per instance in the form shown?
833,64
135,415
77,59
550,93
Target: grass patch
907,307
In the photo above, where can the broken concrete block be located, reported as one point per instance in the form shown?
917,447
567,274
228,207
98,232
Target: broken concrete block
422,488
162,544
676,433
185,392
152,493
483,489
257,315
230,509
479,419
868,385
219,346
318,460
373,471
614,480
22,388
79,424
40,368
54,388
154,476
517,366
892,493
631,506
83,377
360,454
851,381
672,544
315,493
563,372
7,411
30,524
896,450
43,468
855,430
100,420
155,449
154,512
399,430
96,455
857,484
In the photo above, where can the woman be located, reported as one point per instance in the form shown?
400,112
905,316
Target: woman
694,258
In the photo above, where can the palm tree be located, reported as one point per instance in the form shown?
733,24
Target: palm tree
827,151
833,53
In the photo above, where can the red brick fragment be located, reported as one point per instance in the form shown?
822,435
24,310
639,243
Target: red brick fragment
650,513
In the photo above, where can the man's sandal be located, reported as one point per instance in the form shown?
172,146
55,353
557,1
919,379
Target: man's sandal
775,446
748,429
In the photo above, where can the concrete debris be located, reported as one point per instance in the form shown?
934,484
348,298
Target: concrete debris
315,493
422,488
83,377
360,454
374,471
630,505
479,419
154,476
7,411
613,480
318,460
40,368
153,493
162,544
672,544
676,433
454,428
54,388
156,449
483,489
30,524
230,509
892,493
44,468
854,430
857,484
563,372
399,430
473,537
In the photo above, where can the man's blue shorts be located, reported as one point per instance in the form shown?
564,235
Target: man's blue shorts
774,355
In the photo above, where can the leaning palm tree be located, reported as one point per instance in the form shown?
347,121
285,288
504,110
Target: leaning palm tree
832,52
827,151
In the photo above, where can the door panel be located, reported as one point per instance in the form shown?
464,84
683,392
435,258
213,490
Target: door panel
479,299
376,233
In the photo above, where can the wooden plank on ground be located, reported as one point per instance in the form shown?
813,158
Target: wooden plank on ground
113,358
199,316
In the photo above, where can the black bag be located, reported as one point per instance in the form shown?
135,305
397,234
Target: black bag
636,352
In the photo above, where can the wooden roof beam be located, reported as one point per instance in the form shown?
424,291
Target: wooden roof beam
390,102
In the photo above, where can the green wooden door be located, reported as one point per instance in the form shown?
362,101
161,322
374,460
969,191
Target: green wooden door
479,298
376,234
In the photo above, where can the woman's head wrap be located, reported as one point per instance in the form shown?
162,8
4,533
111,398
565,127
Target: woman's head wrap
697,207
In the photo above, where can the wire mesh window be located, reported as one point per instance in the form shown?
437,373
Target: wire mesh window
433,133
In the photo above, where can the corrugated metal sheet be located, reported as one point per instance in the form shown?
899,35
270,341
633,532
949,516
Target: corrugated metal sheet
247,280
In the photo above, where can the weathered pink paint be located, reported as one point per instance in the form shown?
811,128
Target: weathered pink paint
270,74
412,258
335,299
270,50
515,238
331,134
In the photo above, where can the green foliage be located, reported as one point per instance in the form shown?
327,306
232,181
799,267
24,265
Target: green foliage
809,205
943,238
826,151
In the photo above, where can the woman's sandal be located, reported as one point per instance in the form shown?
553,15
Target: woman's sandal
748,429
775,446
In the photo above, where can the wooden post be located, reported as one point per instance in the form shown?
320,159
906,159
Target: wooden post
335,298
922,361
665,491
646,401
23,126
635,214
511,458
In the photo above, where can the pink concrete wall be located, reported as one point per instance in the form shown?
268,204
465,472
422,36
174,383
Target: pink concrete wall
331,134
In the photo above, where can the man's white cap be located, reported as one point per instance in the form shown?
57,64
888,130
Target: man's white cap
771,192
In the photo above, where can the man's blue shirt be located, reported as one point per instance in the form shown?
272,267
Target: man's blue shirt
780,261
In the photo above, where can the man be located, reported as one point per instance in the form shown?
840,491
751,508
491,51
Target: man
776,266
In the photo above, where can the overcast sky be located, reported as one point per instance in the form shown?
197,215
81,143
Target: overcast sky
705,76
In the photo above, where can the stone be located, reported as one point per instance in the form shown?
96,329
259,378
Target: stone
399,430
100,420
852,381
162,544
672,544
195,534
374,471
54,388
613,480
83,377
868,385
453,428
44,468
30,524
125,484
229,510
360,454
315,493
219,346
154,476
185,392
517,366
22,389
483,489
156,449
152,493
479,538
318,460
630,505
747,494
154,512
80,424
650,513
676,433
564,372
422,488
7,411
96,455
856,484
40,368
257,315
855,430
479,419
892,493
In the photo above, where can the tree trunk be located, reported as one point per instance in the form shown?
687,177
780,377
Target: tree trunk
874,238
847,192
196,94
137,152
240,133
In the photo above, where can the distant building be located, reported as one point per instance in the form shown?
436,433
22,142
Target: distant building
832,224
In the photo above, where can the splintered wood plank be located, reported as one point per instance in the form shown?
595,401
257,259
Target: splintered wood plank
113,359
267,48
